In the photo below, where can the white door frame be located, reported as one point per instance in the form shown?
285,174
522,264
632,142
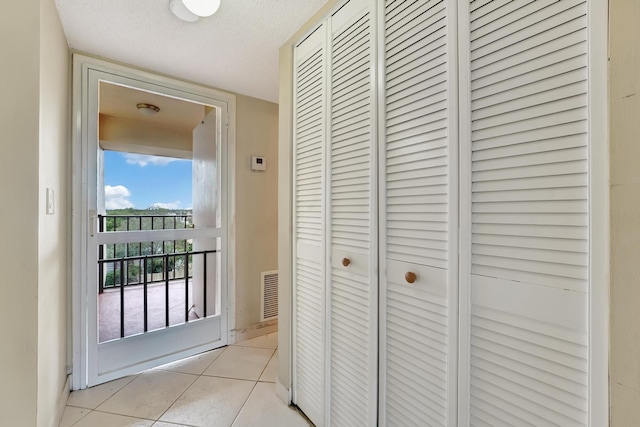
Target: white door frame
80,179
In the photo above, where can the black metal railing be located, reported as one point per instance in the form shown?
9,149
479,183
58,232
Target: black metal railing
110,276
164,259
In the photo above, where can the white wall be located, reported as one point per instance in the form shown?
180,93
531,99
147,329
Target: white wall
53,233
256,204
624,102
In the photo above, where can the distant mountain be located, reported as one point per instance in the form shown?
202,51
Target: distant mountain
151,210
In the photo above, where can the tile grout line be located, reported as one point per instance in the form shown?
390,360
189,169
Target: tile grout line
191,385
243,404
252,389
198,376
181,394
80,419
255,383
96,407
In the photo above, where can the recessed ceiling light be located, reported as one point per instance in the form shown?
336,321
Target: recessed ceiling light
180,10
148,109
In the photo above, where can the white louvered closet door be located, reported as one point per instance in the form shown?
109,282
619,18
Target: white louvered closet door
309,225
417,215
352,233
528,314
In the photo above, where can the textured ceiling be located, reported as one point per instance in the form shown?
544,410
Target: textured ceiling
236,49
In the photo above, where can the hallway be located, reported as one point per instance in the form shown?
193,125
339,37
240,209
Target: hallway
232,386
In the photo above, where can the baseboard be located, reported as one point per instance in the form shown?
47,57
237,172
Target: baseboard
283,393
64,397
256,330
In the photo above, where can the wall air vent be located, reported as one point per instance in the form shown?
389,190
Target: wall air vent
269,295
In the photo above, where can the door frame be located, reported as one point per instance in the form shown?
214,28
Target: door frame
79,218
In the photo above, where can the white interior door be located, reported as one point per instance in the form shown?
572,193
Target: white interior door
309,244
352,219
418,215
206,330
526,174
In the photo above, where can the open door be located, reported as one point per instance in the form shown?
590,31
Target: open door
153,279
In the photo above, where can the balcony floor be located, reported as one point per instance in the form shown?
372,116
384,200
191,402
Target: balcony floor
109,309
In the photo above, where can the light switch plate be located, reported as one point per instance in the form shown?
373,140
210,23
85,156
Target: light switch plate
258,163
51,207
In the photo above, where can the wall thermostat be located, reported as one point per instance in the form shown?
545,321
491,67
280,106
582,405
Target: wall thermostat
258,163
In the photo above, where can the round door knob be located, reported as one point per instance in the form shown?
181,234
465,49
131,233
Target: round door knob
346,262
410,277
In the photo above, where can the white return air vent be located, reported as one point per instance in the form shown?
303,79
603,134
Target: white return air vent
269,295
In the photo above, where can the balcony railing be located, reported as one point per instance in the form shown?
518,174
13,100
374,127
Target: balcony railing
164,260
123,264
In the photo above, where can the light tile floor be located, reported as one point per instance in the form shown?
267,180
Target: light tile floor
232,386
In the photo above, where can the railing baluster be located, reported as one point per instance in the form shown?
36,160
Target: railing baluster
186,289
122,298
204,280
153,252
146,304
166,284
126,250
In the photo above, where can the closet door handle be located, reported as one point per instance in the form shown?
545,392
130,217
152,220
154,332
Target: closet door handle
410,277
346,262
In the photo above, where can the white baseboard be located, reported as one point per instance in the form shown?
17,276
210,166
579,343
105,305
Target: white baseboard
64,397
253,331
283,393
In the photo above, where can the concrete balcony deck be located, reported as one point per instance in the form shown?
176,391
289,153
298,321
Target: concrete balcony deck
109,308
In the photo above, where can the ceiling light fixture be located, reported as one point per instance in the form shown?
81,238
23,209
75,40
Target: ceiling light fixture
148,109
202,8
180,10
192,10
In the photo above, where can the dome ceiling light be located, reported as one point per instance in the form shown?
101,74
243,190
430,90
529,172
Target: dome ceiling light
192,10
148,109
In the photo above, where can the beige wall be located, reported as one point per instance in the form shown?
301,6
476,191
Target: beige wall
19,85
256,204
33,292
141,137
625,211
55,89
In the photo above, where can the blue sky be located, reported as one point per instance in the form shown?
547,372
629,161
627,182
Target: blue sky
140,181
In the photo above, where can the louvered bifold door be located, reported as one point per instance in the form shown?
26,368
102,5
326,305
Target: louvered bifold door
352,212
308,234
528,314
417,210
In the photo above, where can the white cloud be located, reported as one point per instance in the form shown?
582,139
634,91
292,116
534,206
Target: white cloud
143,160
170,205
117,197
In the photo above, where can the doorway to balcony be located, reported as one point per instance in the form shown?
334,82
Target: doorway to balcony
153,259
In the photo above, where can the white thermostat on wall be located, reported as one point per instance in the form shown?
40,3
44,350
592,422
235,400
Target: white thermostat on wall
258,163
